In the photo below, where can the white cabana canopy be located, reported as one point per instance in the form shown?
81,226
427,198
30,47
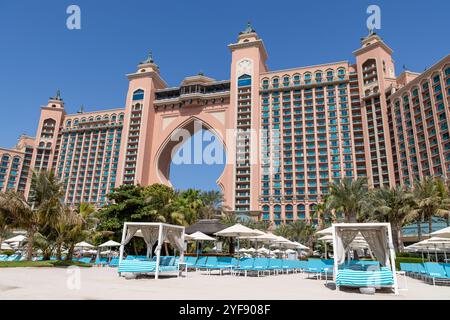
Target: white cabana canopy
379,240
5,246
154,233
18,238
200,236
444,233
110,243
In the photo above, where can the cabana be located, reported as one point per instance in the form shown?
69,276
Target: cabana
153,233
379,239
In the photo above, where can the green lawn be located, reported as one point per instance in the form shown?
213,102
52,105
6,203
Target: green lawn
51,263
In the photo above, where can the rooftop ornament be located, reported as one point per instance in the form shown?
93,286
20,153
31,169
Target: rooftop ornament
149,58
58,96
249,29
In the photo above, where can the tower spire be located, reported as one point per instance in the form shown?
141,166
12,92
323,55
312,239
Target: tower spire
149,58
248,29
57,96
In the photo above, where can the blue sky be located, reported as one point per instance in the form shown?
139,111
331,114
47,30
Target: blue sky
38,54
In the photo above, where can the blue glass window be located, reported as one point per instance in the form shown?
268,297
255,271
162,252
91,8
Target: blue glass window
138,95
244,80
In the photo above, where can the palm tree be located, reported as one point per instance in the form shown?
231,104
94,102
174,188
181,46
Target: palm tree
282,230
213,204
349,196
302,232
394,205
443,192
14,205
428,202
6,222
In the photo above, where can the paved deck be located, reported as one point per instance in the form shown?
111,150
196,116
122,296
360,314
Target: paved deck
104,283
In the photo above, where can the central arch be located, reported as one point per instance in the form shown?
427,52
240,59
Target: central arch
168,146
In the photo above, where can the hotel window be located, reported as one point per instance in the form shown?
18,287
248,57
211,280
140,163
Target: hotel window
138,95
318,77
296,79
265,84
307,78
275,82
286,81
330,75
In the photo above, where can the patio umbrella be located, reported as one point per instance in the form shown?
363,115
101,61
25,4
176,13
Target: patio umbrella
444,233
236,231
327,231
200,236
263,250
108,244
83,245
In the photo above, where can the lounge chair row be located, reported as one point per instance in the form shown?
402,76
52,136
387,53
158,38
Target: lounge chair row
433,272
13,257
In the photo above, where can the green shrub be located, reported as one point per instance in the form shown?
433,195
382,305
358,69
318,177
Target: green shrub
399,260
64,263
23,264
7,252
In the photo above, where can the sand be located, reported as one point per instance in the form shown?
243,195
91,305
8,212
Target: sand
104,283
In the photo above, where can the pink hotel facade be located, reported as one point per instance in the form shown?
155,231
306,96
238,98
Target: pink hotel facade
334,120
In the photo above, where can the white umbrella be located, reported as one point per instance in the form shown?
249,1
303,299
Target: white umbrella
251,250
431,243
110,243
242,250
290,251
327,231
236,231
200,236
300,246
444,233
18,238
83,244
263,250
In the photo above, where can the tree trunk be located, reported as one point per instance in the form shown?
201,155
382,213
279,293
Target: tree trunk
231,246
47,254
419,229
58,252
430,224
397,237
30,244
448,220
70,252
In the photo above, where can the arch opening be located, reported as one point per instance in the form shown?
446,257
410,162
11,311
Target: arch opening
193,156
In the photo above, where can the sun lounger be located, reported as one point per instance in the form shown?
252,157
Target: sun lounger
85,260
370,278
436,273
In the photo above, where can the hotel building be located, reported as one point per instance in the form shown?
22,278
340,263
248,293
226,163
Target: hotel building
314,124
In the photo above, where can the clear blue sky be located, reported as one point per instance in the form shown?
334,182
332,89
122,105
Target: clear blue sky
38,54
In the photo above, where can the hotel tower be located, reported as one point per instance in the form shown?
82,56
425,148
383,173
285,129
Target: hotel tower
307,126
